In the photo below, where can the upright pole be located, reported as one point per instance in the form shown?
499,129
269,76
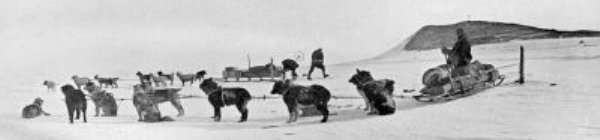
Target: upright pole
248,57
521,67
272,68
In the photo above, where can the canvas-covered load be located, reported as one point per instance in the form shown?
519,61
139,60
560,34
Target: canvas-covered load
444,79
437,76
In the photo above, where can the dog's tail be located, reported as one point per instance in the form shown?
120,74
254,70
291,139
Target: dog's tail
245,95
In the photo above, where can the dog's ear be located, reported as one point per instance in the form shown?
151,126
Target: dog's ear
357,70
390,82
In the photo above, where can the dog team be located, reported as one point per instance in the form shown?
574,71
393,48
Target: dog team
378,96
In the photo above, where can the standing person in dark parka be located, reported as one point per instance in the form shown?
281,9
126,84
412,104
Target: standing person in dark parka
317,61
290,65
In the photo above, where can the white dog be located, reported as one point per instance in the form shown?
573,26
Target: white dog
80,81
51,85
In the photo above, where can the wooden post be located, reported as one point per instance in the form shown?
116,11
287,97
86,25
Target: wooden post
272,68
521,67
248,56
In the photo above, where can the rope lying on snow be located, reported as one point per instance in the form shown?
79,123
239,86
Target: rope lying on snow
264,97
201,97
508,66
269,97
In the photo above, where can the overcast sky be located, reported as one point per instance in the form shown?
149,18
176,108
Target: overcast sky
131,31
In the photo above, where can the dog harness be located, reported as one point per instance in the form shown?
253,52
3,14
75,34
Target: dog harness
222,94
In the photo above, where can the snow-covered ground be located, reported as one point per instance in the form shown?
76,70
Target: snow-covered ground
536,110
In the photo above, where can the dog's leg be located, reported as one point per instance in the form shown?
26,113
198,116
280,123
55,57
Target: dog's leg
71,111
291,110
177,104
296,113
283,75
97,109
372,109
139,112
367,104
243,110
324,111
84,116
294,74
77,112
217,113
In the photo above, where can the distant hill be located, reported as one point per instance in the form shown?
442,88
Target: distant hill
479,32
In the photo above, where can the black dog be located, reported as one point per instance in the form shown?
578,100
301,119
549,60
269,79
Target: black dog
378,94
145,79
200,75
169,77
220,97
295,95
76,102
107,81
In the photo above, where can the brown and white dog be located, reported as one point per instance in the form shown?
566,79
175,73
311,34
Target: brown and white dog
159,81
145,79
296,95
107,81
80,81
146,108
378,94
103,100
190,77
34,110
50,85
170,77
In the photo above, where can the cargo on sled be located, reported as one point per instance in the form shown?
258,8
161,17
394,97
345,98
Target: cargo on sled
446,82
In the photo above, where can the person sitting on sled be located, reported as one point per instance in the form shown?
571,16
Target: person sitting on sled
460,54
459,57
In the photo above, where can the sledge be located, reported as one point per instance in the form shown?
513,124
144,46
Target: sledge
269,70
445,83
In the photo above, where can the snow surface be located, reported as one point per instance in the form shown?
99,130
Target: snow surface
536,110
